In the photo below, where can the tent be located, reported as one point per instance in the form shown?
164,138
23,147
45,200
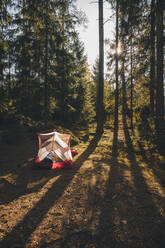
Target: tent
54,150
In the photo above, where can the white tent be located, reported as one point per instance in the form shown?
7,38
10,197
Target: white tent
55,146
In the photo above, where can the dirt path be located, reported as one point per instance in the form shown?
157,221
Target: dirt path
103,202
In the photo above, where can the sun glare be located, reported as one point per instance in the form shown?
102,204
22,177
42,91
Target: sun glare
119,49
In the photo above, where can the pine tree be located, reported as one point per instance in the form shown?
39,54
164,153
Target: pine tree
100,87
160,83
152,59
115,134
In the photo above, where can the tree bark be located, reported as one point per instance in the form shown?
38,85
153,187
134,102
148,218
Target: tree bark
100,86
46,72
131,83
152,60
124,101
115,134
160,85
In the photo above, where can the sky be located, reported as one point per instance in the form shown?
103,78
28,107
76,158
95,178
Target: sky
90,35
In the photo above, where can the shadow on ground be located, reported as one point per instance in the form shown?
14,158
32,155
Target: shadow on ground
23,230
113,204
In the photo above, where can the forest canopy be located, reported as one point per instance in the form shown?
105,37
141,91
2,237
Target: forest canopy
45,76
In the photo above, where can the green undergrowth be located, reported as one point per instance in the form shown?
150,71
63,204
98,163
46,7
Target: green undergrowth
16,134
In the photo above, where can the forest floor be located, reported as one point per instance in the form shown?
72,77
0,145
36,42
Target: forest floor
103,201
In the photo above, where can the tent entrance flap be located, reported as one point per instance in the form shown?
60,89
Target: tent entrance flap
54,151
54,146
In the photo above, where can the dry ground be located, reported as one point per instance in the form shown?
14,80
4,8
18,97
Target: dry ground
103,202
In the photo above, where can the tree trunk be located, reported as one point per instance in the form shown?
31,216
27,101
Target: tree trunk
159,85
131,103
9,75
46,73
100,86
123,53
152,60
115,134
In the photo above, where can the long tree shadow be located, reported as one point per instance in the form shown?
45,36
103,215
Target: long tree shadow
22,231
16,172
24,178
116,204
145,212
14,175
152,163
109,208
105,233
115,138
